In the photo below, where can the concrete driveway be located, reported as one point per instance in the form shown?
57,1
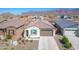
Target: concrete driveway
74,41
47,43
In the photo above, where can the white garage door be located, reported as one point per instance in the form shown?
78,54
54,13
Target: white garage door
69,32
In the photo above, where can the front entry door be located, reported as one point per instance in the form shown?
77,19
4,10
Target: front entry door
26,32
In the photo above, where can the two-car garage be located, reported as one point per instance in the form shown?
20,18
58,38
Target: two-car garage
46,33
69,32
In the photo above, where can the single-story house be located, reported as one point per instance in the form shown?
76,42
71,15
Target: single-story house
67,26
18,28
39,28
13,27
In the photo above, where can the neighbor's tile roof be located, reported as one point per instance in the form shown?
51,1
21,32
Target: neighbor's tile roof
12,22
2,20
64,23
42,24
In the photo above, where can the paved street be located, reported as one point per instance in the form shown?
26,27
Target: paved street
47,43
74,40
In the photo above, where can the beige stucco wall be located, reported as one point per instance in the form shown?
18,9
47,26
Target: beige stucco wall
19,32
29,32
10,28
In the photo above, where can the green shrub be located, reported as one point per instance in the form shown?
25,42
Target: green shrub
66,42
8,36
65,39
67,45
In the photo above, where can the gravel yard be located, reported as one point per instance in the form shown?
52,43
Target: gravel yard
74,40
22,45
57,38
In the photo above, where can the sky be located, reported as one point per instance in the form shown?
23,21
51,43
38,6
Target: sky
20,10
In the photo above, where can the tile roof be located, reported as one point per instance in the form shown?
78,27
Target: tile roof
12,22
1,20
64,23
42,24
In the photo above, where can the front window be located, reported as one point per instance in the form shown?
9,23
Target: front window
33,32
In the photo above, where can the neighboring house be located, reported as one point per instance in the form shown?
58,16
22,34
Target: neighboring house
13,27
78,31
67,17
67,26
76,18
2,20
7,15
39,28
35,18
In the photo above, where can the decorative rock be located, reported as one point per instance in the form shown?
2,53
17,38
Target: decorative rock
1,37
13,42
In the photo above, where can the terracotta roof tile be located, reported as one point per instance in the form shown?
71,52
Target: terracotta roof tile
12,22
41,24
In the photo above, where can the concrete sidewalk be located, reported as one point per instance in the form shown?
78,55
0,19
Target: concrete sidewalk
47,43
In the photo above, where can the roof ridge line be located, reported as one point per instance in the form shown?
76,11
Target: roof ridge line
47,24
